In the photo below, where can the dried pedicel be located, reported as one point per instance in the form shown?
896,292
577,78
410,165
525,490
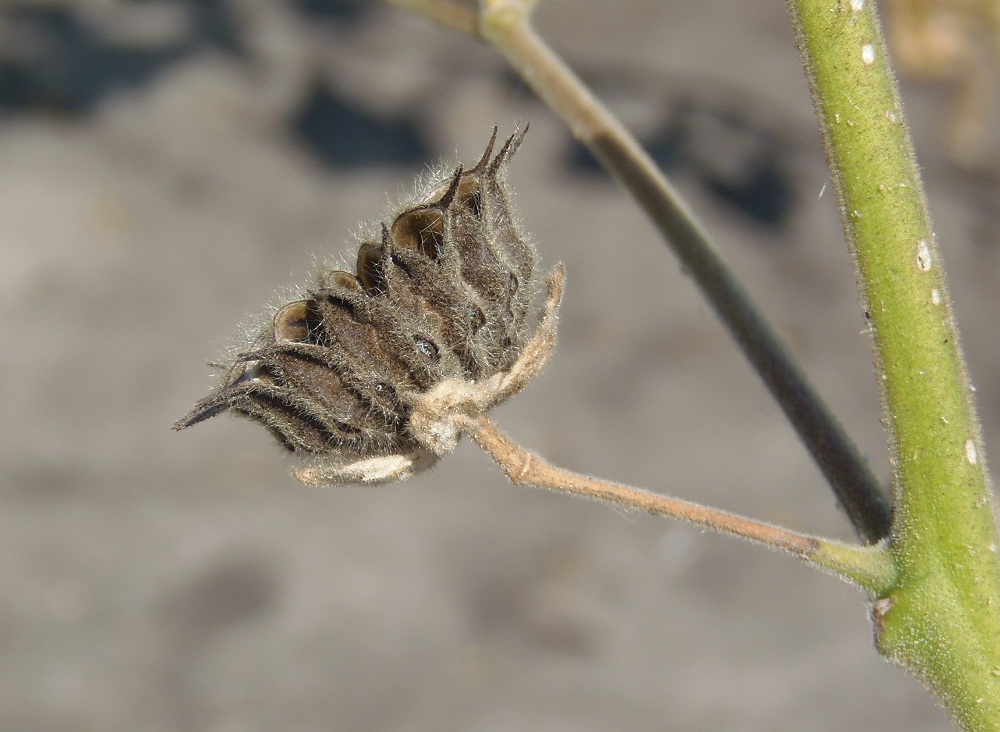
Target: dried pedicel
441,309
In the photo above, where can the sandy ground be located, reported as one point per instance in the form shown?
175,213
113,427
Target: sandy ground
150,202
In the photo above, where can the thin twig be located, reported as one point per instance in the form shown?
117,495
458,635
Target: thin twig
505,24
448,14
528,468
869,567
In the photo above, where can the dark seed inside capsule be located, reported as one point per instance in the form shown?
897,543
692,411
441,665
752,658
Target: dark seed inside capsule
476,320
469,197
427,350
370,272
339,280
291,324
421,230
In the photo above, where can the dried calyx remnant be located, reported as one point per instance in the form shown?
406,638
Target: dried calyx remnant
372,372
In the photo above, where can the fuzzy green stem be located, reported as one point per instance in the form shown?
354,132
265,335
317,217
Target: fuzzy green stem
942,620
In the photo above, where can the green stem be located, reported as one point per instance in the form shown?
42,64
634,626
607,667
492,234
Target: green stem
942,621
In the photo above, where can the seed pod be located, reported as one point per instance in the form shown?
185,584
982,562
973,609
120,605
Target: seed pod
446,292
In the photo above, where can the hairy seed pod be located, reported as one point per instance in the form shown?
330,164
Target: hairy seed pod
445,291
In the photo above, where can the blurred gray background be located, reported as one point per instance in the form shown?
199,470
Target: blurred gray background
168,167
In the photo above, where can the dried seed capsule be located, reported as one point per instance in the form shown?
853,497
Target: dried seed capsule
448,292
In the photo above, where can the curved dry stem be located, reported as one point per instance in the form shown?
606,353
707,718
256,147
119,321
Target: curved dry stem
868,567
505,24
